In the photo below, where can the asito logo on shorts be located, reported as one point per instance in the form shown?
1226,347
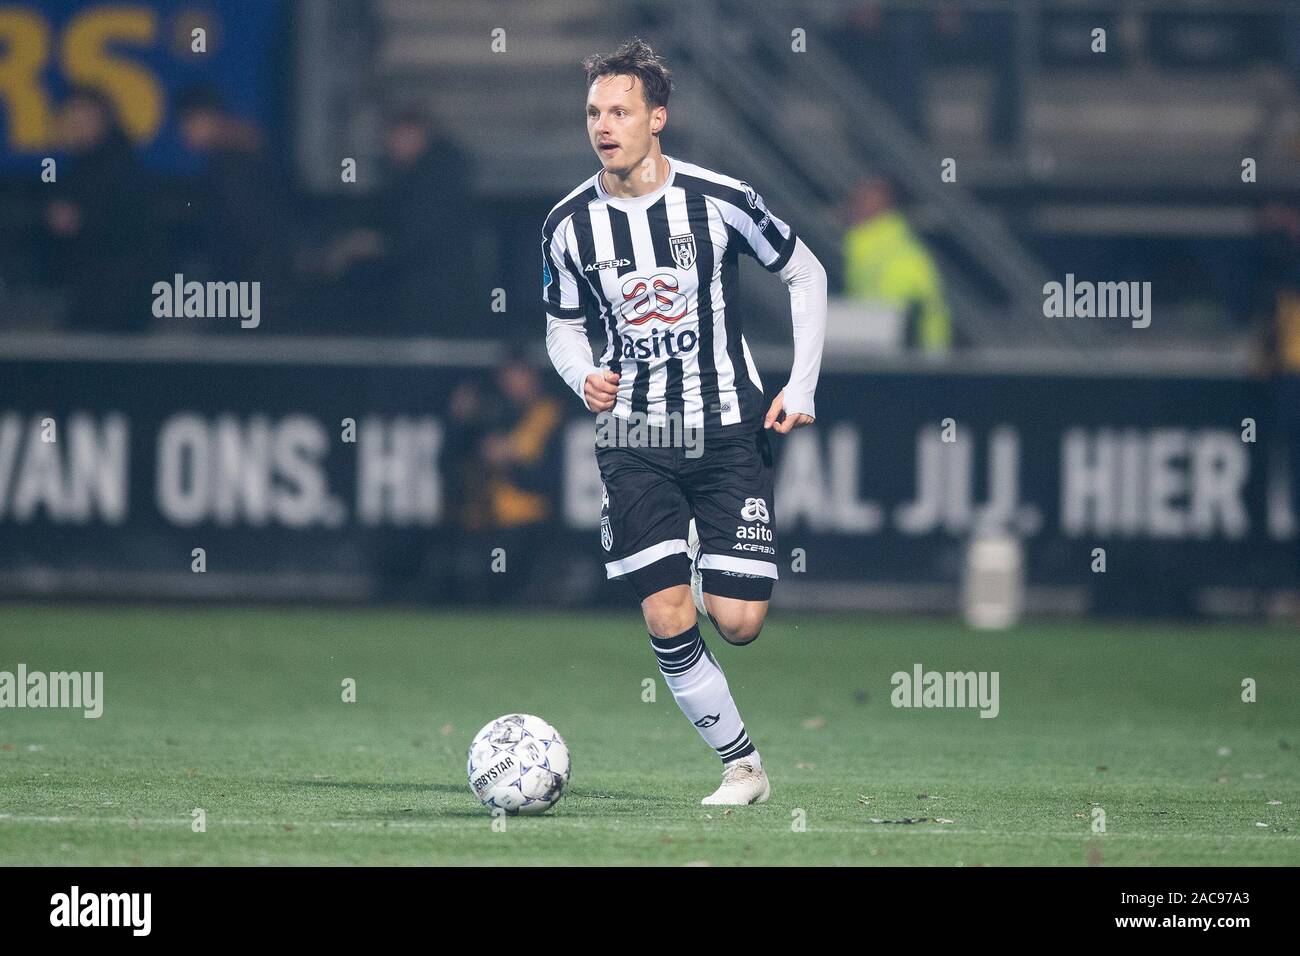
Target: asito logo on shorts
749,535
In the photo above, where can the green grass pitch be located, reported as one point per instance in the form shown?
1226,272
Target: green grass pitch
240,712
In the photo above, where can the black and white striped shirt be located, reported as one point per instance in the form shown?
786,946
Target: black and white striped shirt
659,273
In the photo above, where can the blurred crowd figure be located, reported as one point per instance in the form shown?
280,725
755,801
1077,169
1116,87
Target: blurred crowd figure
410,261
501,456
891,47
397,260
1278,309
97,238
886,264
238,210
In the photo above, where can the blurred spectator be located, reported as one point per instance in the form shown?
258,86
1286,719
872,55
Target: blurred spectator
99,238
240,207
1280,306
1290,35
889,50
521,455
462,573
988,39
886,264
467,423
501,455
413,265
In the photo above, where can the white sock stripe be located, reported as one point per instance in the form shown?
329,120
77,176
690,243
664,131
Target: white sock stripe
646,556
678,652
691,650
738,742
675,668
735,751
728,562
670,651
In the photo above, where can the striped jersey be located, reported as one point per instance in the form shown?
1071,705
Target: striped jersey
659,273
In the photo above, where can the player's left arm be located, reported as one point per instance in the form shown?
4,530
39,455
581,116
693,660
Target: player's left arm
805,277
773,242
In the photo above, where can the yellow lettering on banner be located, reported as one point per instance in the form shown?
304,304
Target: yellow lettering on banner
87,60
24,48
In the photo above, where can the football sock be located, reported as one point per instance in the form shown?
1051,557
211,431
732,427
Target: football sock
700,689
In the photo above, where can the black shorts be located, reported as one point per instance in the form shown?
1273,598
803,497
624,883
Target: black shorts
651,494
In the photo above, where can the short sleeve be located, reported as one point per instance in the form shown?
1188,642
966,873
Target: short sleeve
561,292
762,235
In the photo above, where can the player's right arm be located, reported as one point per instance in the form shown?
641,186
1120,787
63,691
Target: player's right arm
566,330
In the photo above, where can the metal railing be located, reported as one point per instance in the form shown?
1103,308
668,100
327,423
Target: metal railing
719,48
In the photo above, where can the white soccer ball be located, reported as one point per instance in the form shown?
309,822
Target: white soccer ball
518,763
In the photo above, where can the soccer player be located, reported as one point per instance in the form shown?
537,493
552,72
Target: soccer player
649,247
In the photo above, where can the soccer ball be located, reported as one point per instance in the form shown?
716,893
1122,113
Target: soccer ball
518,763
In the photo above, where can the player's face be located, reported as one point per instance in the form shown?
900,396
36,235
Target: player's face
620,125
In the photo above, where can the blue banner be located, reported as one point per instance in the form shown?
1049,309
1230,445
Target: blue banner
142,57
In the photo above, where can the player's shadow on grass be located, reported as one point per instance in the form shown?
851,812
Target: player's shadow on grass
579,793
389,787
376,784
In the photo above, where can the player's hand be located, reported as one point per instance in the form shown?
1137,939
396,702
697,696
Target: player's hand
601,390
778,418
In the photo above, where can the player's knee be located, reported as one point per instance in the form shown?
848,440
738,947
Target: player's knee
741,628
669,612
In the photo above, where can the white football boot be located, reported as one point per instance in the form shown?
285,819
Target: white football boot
743,782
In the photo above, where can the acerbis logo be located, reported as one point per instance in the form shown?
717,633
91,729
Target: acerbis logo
748,536
707,721
608,264
755,510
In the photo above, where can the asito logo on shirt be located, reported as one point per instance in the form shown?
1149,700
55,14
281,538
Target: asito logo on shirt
660,344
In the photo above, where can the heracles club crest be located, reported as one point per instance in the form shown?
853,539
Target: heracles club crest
683,250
